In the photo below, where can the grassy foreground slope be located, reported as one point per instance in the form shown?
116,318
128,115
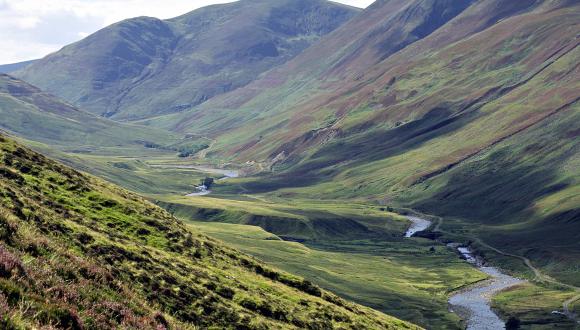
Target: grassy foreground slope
79,253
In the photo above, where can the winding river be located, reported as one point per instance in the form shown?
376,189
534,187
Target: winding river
473,303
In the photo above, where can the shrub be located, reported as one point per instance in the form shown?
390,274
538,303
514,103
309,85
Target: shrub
207,182
10,292
249,304
9,263
225,292
64,318
513,323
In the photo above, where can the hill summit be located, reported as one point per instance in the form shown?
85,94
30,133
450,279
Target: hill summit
144,66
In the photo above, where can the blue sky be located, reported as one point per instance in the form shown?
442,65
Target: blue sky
31,29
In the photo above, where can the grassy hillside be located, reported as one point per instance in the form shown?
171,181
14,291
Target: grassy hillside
8,68
473,116
118,152
81,253
33,114
294,220
144,66
464,109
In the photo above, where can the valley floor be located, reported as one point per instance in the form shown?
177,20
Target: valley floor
353,248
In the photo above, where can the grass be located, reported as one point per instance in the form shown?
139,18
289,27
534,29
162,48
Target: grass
292,219
482,131
532,305
79,253
379,269
479,126
39,116
183,73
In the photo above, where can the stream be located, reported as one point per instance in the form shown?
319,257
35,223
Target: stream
473,303
202,190
417,225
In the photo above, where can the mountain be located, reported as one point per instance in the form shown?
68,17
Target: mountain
8,68
80,253
464,109
144,66
30,113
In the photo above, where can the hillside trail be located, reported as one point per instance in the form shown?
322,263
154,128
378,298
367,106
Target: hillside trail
203,153
539,276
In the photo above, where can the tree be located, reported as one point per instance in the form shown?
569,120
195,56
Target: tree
513,323
207,182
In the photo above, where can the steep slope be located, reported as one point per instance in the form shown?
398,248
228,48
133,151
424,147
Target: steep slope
144,66
8,68
82,254
33,114
474,117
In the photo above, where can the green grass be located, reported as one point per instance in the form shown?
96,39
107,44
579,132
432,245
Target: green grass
38,116
377,268
190,58
532,305
292,219
79,253
401,278
482,131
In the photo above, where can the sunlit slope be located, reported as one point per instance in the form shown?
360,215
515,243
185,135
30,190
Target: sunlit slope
81,253
28,112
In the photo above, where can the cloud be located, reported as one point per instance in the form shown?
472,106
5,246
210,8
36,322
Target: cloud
31,29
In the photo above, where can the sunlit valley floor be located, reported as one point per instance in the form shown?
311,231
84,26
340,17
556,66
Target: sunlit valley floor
353,248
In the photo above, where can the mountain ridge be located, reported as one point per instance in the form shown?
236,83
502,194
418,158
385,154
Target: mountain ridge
11,67
185,60
413,128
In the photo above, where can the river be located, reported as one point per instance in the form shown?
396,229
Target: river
417,225
473,303
202,190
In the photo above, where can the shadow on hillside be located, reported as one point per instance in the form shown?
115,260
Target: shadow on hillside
362,146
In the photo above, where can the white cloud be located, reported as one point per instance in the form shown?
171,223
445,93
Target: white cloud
27,23
31,29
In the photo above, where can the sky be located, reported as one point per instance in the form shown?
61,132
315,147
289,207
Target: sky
31,29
